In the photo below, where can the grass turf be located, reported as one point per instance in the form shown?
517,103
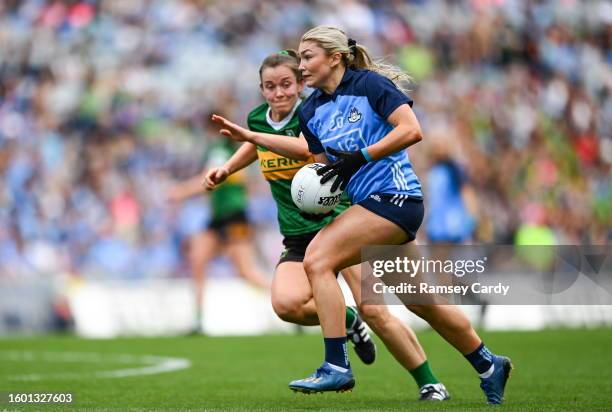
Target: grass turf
554,370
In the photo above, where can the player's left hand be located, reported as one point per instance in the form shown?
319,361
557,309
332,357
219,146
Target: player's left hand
345,167
232,130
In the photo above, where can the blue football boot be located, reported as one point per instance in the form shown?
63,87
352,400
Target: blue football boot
494,385
326,379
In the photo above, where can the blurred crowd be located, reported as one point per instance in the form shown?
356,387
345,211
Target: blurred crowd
103,104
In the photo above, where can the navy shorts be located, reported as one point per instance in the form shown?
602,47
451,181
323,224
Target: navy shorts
406,212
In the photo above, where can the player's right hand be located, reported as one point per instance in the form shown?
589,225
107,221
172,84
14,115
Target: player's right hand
232,130
214,177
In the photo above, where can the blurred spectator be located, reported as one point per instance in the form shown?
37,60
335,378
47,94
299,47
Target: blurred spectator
100,104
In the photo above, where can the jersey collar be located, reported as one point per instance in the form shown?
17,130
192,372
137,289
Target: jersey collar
279,125
346,79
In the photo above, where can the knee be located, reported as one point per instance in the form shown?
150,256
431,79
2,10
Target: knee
376,316
316,262
289,310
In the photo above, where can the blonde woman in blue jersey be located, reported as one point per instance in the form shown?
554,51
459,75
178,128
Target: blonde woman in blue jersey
360,122
273,133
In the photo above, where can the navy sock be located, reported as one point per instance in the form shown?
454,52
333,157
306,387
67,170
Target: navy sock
481,359
335,351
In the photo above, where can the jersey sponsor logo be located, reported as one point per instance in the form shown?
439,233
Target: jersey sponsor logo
278,163
354,115
277,167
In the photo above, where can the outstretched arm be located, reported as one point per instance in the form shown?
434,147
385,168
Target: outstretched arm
292,148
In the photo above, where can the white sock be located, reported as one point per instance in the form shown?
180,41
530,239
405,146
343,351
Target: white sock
338,368
487,373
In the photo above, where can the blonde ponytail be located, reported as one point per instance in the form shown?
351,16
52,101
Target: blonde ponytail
355,56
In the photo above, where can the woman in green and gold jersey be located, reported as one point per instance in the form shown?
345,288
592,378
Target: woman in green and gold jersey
275,147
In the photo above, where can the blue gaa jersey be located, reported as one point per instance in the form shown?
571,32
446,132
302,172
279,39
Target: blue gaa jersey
354,117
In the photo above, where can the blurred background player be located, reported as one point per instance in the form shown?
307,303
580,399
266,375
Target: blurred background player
228,230
452,207
278,132
451,203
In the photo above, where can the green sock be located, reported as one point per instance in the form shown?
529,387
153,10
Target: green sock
351,315
423,375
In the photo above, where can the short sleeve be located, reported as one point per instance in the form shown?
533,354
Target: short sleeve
314,144
383,95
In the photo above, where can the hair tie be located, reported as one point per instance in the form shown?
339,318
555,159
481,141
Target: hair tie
283,53
352,46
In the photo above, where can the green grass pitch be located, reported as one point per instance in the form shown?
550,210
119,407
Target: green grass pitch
554,370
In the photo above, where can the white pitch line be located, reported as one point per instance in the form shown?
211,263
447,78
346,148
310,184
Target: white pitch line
154,364
166,365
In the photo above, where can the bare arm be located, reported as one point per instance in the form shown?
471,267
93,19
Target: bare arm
405,133
292,148
244,156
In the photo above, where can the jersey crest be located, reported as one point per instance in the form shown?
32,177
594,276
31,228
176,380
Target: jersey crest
354,115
